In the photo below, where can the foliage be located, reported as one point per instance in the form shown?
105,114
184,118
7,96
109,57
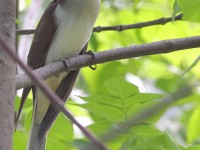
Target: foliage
120,90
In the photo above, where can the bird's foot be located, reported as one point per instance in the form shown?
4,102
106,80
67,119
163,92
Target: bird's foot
91,53
65,62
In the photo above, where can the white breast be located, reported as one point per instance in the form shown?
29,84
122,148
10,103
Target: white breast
74,30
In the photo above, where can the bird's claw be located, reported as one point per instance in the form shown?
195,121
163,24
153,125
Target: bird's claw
91,53
65,62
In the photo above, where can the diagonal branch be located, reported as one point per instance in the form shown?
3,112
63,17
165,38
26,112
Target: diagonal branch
165,46
54,99
160,21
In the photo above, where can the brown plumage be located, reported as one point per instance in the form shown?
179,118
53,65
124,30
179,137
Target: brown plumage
41,43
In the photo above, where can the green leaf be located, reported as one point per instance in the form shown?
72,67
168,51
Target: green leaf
176,9
160,142
135,4
108,112
139,108
20,140
99,128
120,87
166,83
62,129
53,144
142,98
27,119
190,9
81,144
168,143
195,147
104,99
189,99
28,104
129,142
145,130
94,42
193,130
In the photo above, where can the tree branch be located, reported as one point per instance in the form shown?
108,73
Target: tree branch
54,99
165,46
160,21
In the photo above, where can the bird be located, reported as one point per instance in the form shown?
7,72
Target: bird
62,32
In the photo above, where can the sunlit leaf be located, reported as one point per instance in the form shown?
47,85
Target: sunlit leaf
94,42
160,142
62,129
176,9
108,112
190,9
142,98
99,128
120,87
145,130
195,147
20,140
104,99
193,130
53,144
28,104
189,99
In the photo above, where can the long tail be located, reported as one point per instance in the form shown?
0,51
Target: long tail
34,142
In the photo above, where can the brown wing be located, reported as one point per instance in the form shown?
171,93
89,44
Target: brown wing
63,91
43,37
40,45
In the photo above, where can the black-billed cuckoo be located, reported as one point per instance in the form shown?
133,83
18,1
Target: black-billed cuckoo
63,31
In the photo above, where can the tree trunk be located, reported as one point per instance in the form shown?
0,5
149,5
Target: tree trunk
7,74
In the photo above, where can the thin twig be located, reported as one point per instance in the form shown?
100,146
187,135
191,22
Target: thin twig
54,99
160,21
165,46
24,32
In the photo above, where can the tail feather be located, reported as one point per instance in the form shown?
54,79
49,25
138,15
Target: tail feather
35,143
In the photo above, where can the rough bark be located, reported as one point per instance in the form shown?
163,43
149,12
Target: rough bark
7,74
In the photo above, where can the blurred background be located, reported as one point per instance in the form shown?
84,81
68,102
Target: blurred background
154,77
